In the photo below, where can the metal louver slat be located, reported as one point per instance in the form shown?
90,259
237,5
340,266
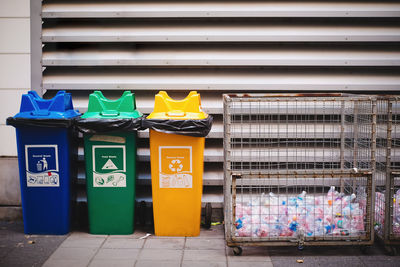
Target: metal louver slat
156,9
234,80
243,55
221,32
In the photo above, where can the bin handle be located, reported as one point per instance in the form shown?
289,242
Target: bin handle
176,113
109,113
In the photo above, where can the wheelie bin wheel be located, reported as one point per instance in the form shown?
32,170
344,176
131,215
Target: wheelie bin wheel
391,250
364,250
208,213
142,208
237,251
395,251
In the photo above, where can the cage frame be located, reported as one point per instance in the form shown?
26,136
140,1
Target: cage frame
387,237
230,175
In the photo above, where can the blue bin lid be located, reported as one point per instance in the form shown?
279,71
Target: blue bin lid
35,107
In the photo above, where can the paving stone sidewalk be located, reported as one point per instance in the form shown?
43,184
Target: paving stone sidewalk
83,249
209,249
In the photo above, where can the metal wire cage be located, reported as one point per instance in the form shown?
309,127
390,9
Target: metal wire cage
387,175
298,169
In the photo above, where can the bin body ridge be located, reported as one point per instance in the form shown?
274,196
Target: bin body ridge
176,169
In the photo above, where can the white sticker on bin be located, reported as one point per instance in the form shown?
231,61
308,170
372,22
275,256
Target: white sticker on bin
41,162
175,167
109,166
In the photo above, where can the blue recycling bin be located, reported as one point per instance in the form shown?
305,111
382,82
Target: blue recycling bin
45,146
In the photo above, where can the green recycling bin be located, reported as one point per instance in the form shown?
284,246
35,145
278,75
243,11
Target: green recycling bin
109,128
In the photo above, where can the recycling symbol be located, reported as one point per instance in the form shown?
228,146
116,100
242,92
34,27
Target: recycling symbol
176,165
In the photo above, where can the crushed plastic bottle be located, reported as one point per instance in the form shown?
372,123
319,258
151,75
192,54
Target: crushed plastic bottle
281,215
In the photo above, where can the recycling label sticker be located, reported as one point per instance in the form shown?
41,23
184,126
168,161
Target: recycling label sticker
175,166
42,168
109,166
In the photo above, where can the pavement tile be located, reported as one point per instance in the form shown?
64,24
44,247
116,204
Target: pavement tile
160,254
210,263
18,240
168,243
112,263
149,263
117,254
85,235
317,261
6,240
381,261
77,253
292,261
383,258
165,237
123,243
204,243
291,251
28,255
65,263
382,264
249,254
78,241
16,249
327,261
250,264
4,251
137,234
7,227
204,255
331,251
314,251
214,232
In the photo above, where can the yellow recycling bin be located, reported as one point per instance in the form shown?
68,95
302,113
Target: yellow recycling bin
177,163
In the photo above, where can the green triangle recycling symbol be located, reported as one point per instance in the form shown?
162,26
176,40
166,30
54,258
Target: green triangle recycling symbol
109,165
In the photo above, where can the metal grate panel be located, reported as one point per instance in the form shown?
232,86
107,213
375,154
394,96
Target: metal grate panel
287,134
298,169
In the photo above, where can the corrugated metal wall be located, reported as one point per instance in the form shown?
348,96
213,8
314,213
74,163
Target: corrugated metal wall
216,47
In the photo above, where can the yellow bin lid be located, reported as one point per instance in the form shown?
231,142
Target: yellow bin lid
166,108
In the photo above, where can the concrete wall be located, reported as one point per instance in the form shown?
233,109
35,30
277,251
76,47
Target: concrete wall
14,81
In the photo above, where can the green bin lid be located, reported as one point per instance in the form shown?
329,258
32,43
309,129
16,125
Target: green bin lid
102,108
